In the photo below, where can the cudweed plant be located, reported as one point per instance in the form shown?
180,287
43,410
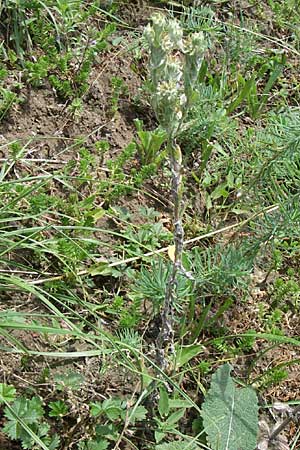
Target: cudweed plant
174,66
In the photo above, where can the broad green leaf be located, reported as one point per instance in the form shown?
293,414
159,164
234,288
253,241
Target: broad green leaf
163,404
184,354
98,213
113,413
230,415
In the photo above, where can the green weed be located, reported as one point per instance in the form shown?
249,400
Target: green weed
149,144
83,245
7,100
118,88
25,421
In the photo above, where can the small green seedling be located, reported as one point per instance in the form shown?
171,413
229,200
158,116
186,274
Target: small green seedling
150,143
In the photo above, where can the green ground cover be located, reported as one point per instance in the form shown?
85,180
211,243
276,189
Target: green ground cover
149,225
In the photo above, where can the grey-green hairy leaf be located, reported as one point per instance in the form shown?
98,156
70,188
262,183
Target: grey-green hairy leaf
177,445
230,414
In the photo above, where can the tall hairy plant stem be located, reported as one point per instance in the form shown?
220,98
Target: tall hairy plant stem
165,339
174,64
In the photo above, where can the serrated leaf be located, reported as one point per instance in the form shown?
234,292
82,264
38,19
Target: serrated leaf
58,409
17,426
29,410
40,430
112,407
113,413
55,441
97,445
230,415
12,429
96,409
139,413
7,393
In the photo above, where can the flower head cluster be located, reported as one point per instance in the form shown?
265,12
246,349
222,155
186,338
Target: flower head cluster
174,67
175,33
195,47
163,33
195,44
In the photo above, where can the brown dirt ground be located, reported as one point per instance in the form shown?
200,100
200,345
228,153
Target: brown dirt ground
45,126
48,126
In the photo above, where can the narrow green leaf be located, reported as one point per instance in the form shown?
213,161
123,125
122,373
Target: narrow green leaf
178,403
198,327
175,417
271,81
102,268
242,95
